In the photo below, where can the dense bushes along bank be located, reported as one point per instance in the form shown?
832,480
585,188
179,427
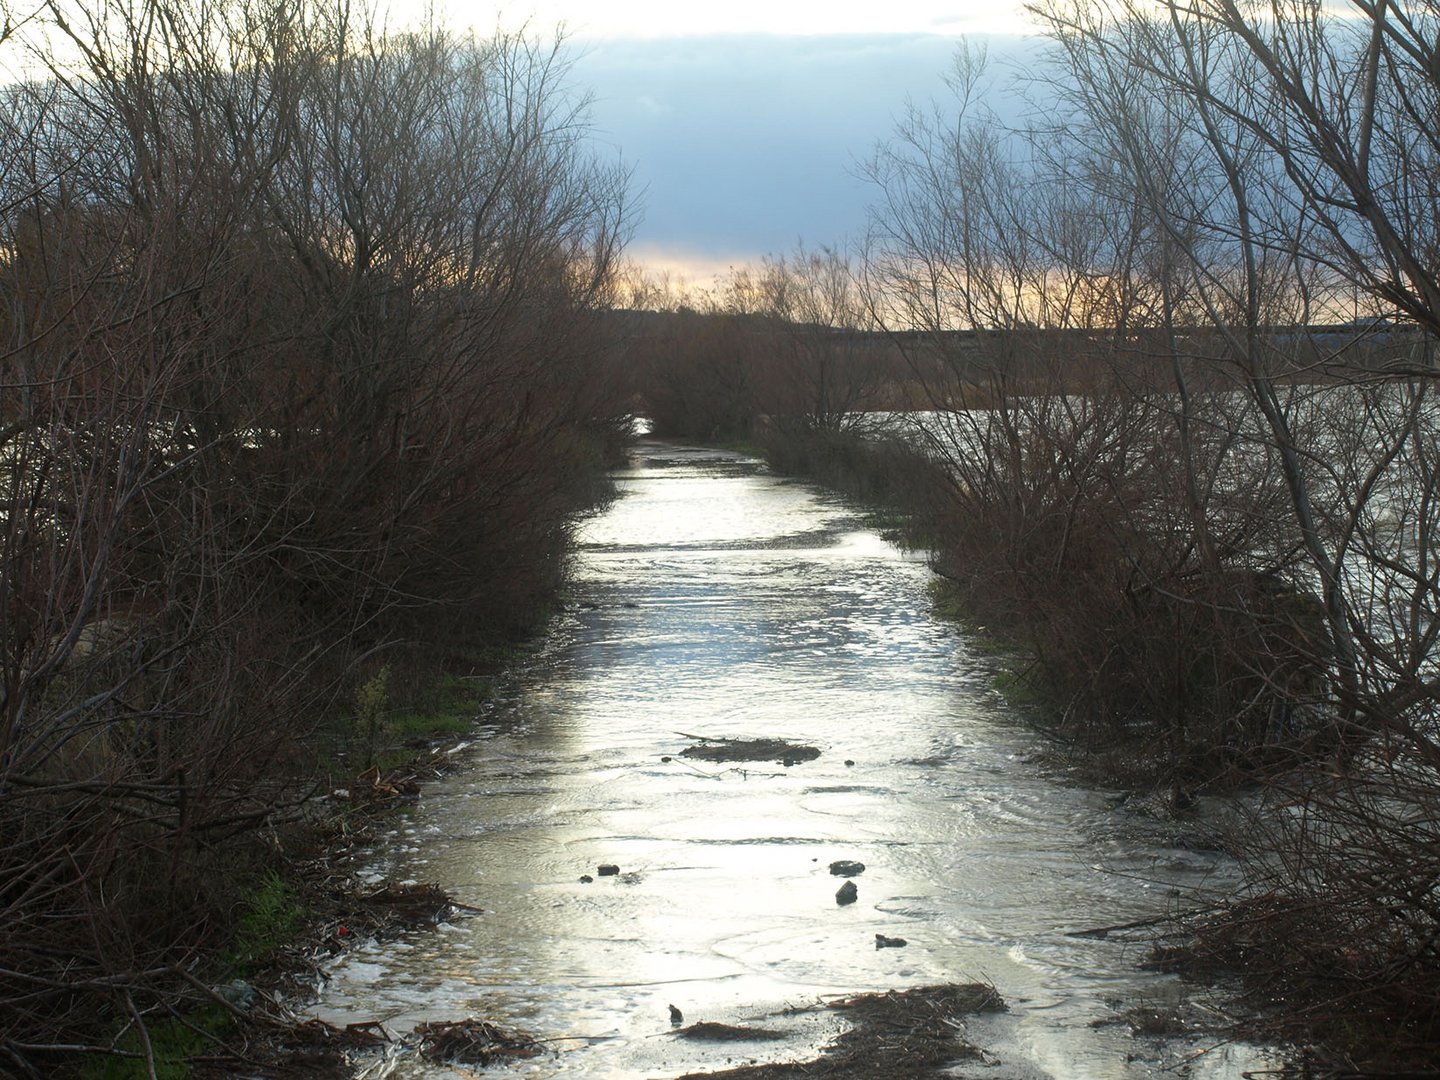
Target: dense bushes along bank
1191,682
303,382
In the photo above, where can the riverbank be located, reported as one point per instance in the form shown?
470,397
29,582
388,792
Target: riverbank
291,901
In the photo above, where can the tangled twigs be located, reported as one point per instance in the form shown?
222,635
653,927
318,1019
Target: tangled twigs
474,1042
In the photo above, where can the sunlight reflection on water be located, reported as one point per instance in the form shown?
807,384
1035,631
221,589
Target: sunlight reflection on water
714,599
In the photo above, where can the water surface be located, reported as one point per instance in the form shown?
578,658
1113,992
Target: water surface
714,599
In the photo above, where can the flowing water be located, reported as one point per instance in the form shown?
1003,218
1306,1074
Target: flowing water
714,599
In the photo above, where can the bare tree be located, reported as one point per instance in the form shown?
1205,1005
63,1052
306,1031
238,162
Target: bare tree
1034,293
1178,345
830,365
301,367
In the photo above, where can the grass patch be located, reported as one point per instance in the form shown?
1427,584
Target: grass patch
1019,690
947,602
274,917
448,708
392,715
413,724
896,526
172,1043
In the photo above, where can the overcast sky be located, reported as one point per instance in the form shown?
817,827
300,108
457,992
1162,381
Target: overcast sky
742,120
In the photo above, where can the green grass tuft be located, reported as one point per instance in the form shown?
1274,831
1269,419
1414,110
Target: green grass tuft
172,1042
273,917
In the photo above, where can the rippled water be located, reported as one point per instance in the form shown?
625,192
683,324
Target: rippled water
715,599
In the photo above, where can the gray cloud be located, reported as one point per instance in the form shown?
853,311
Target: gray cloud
744,144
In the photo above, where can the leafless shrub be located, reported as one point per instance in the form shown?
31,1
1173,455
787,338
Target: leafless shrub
300,367
1179,350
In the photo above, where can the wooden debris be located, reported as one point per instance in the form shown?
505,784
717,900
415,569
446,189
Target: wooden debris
474,1042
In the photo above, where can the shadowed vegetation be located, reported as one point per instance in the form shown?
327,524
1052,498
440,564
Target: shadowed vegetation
303,386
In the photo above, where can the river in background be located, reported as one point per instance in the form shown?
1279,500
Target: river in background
715,599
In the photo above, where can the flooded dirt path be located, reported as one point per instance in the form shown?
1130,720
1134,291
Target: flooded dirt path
715,599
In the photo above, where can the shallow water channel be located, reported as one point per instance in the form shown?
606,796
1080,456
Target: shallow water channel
715,599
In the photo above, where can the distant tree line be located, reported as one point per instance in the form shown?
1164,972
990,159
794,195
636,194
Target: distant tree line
787,346
302,374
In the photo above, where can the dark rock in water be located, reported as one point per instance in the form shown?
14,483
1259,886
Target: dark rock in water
847,894
849,761
586,879
666,758
676,1016
847,868
883,942
607,869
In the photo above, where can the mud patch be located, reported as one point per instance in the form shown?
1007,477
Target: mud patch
729,750
899,1035
708,1031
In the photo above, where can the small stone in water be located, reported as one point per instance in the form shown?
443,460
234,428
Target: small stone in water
849,761
666,758
883,942
608,869
847,868
586,879
847,894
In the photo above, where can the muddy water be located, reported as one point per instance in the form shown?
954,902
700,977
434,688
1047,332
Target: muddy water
714,599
